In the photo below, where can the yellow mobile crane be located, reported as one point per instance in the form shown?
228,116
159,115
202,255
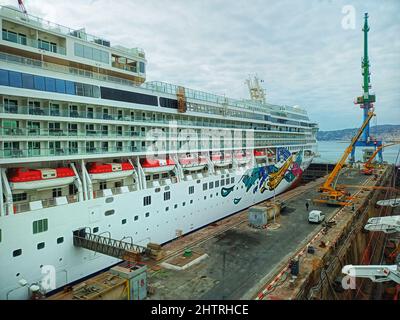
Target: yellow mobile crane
330,194
368,167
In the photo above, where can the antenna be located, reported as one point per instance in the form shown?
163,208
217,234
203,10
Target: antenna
257,93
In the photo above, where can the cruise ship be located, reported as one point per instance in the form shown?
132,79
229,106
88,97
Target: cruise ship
87,143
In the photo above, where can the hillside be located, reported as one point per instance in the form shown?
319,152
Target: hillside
386,132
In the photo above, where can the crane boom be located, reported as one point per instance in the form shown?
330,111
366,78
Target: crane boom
327,186
368,165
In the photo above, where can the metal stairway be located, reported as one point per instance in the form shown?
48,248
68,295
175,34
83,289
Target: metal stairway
115,248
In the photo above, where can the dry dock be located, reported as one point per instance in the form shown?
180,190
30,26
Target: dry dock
241,262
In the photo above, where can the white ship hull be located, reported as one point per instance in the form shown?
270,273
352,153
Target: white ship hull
72,263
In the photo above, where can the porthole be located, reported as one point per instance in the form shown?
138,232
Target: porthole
109,200
109,212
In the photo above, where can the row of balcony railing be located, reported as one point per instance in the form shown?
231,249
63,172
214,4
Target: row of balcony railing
56,112
85,151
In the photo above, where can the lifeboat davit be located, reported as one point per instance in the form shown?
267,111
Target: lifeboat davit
193,163
109,171
260,154
157,165
221,160
34,179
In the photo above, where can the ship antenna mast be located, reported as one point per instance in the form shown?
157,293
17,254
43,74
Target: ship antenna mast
257,93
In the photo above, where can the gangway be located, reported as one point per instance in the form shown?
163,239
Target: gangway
120,249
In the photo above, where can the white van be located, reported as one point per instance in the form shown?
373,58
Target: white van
315,216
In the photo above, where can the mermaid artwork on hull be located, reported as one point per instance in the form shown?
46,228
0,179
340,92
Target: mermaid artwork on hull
269,177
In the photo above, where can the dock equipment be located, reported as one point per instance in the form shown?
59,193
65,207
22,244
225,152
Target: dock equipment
330,193
378,273
115,248
366,100
388,224
368,167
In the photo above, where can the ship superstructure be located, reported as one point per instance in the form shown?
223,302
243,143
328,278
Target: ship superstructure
87,143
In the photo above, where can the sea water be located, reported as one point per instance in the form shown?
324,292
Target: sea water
332,151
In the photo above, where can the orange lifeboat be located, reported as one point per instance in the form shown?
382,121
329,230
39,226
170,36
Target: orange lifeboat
157,165
260,154
241,157
192,163
109,171
221,160
34,179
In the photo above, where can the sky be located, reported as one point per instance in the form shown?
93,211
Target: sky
308,52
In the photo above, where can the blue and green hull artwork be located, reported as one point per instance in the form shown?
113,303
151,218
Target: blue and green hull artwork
256,179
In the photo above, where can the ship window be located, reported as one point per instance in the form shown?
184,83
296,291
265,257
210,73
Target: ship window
157,190
168,103
127,96
136,218
204,186
3,77
109,212
232,180
167,195
222,183
40,226
147,214
95,229
205,197
175,206
211,185
167,208
57,192
39,83
27,81
217,183
141,67
183,204
103,185
78,50
147,200
60,86
123,221
17,252
40,245
50,84
60,240
191,190
69,87
15,79
191,201
19,197
227,181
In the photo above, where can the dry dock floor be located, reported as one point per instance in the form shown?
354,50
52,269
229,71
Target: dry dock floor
240,258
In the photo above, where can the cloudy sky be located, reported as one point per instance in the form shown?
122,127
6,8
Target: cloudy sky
298,47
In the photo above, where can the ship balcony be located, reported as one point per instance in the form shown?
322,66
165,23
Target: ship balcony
44,203
33,43
114,191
